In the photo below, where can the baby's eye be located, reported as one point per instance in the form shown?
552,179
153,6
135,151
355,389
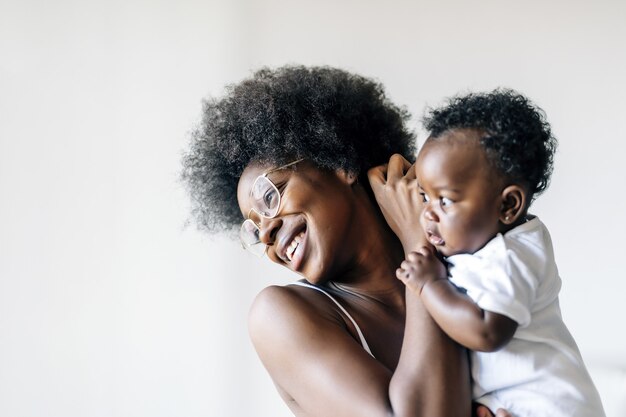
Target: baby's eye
445,201
425,198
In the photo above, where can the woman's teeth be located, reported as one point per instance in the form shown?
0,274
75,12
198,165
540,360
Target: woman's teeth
294,245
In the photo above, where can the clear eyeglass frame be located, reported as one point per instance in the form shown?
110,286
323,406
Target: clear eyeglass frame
266,201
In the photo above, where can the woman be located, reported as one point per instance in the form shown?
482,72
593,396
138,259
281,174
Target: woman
289,150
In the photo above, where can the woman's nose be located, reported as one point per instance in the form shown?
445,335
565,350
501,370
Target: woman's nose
268,228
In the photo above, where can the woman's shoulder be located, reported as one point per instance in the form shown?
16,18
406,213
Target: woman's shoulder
289,301
272,300
295,314
291,324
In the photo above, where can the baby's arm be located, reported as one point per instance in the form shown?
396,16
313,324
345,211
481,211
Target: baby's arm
456,313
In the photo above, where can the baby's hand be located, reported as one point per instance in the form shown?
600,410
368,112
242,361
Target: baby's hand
420,268
395,188
482,411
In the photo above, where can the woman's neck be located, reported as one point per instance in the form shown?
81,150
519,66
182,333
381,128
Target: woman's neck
378,253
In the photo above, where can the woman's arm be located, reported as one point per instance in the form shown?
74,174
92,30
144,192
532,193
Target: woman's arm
314,360
432,373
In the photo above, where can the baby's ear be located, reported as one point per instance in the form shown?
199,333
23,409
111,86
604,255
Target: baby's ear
347,177
513,204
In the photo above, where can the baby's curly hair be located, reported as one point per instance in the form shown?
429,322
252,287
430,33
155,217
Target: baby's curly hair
517,138
332,118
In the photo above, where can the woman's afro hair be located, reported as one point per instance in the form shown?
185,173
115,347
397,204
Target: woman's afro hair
334,119
517,138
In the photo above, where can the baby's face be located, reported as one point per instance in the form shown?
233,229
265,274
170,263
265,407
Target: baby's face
461,192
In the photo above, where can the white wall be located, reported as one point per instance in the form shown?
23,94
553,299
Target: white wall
110,307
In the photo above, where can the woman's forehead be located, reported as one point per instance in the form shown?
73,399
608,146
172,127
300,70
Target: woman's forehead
255,168
249,174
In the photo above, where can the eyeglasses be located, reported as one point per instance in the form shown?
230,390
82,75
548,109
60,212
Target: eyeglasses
265,203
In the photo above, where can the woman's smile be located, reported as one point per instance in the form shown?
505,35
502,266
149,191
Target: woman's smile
295,243
292,250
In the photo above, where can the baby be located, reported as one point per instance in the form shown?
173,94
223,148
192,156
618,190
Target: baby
487,157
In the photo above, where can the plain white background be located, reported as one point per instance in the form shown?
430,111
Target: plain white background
110,306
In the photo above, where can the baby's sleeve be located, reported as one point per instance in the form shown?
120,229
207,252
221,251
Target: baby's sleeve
498,281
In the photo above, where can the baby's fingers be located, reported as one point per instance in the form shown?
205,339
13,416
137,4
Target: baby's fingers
411,262
402,274
422,252
408,278
415,256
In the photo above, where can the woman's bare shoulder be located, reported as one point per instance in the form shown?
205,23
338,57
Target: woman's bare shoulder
302,340
274,294
289,302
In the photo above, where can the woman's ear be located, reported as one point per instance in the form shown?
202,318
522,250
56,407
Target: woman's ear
349,178
513,204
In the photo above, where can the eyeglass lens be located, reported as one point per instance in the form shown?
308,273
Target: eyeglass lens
266,201
265,197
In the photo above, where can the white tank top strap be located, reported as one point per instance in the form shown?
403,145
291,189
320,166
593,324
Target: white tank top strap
356,326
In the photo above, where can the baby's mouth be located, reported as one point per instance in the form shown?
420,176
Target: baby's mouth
434,239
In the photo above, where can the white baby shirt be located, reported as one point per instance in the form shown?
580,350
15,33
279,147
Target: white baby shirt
540,372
